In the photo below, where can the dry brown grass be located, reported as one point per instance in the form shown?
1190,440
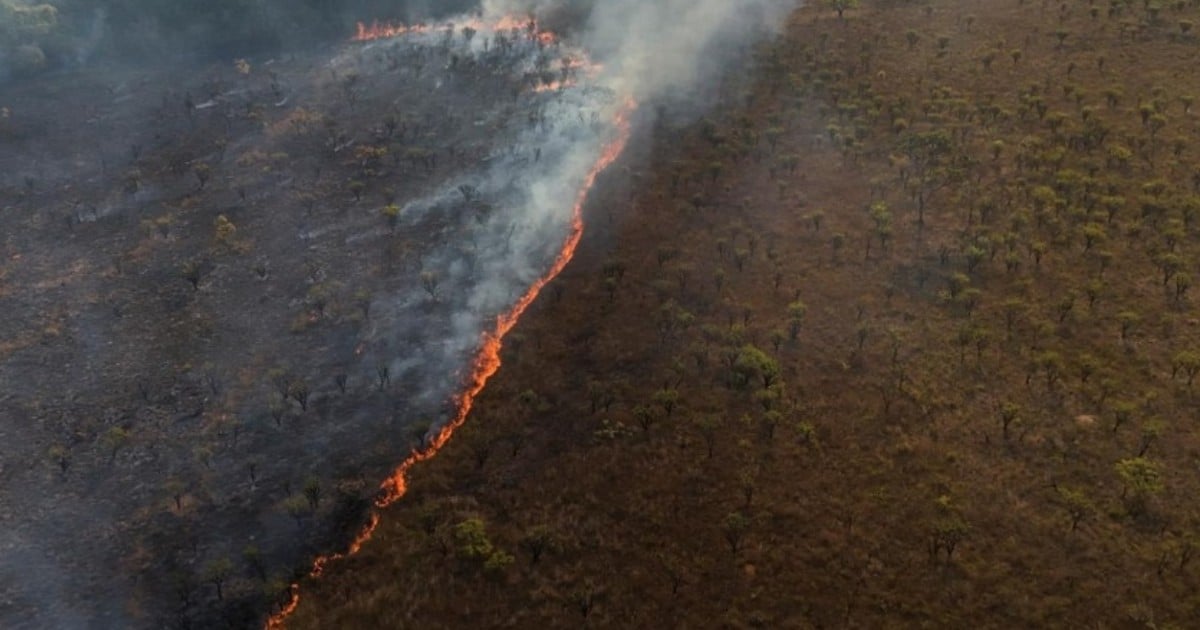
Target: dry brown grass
889,443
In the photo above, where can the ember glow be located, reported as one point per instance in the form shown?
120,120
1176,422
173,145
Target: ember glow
554,86
383,30
487,359
507,24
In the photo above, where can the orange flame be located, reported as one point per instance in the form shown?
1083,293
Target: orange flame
383,30
487,362
553,86
508,23
275,622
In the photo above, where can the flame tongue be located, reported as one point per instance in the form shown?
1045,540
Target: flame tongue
488,360
508,23
378,30
486,363
518,27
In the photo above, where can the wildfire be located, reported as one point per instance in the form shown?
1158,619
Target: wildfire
486,363
515,26
509,24
570,66
554,86
488,360
383,30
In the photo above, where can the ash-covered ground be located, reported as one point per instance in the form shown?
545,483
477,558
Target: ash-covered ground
237,294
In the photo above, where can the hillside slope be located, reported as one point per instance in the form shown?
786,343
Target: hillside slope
904,338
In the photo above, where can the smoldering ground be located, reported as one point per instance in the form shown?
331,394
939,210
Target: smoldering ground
190,419
48,35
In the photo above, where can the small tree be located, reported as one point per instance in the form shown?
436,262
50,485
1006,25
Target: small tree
224,229
496,563
357,188
1077,505
254,559
176,488
203,173
668,399
1123,412
61,457
947,534
1187,362
391,214
1128,320
795,311
837,241
536,542
1183,282
278,410
192,272
734,528
1009,413
708,425
1140,479
912,37
600,396
472,539
297,507
217,572
1151,430
312,492
430,282
114,440
841,5
1061,35
752,363
298,391
1050,363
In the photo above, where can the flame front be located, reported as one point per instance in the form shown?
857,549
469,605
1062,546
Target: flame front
384,30
486,363
488,360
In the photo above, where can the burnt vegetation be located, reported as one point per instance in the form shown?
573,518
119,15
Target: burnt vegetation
903,334
222,304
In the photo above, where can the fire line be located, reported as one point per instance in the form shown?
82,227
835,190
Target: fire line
486,363
383,30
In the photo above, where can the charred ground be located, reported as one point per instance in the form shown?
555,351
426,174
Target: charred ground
225,320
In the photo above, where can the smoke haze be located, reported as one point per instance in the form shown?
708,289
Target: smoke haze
655,48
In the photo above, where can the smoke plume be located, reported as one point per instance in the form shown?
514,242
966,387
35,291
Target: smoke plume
657,48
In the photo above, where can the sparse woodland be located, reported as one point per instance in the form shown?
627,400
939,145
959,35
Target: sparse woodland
903,335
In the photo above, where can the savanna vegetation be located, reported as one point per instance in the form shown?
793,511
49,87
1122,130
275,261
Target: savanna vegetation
904,335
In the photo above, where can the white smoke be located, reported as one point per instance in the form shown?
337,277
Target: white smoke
649,50
653,48
531,187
